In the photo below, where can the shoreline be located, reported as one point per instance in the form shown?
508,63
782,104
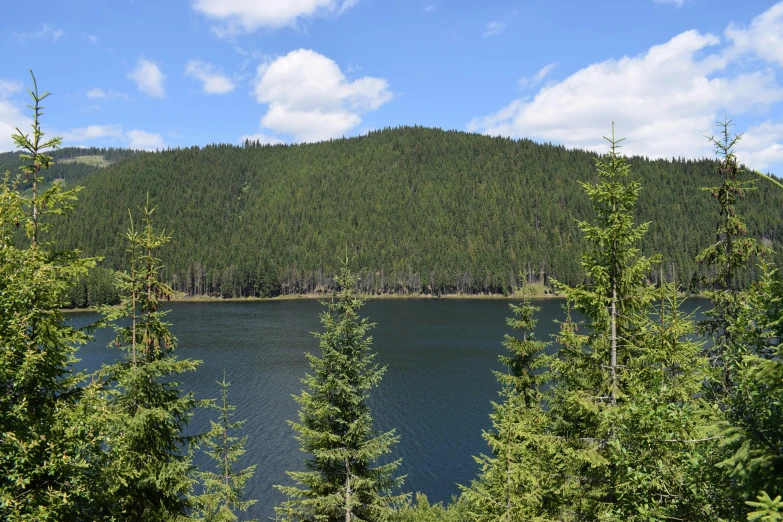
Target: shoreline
317,296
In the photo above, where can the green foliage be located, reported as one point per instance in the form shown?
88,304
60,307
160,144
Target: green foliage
223,492
423,210
342,481
95,289
623,406
47,471
745,331
150,457
423,511
513,483
768,509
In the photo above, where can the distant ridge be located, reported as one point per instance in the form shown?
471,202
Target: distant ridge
420,210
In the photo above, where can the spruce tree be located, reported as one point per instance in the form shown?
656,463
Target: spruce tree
623,404
48,455
147,413
513,483
588,375
724,260
222,494
343,480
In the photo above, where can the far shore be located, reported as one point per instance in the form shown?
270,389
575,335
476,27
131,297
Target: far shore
292,297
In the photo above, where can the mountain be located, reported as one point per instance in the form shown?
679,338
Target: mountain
416,209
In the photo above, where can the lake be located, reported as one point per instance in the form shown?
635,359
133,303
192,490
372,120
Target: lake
436,392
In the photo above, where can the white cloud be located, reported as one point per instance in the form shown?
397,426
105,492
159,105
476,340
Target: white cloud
764,37
109,95
92,39
7,87
310,99
663,101
264,139
761,146
494,28
677,3
11,115
246,16
215,82
93,132
139,139
538,77
134,139
430,7
45,32
148,78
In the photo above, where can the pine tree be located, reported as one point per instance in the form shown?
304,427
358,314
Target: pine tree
513,483
223,491
147,413
343,481
47,453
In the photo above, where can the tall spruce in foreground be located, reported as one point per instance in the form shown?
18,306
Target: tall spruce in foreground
744,327
222,493
48,454
147,413
513,481
724,260
623,404
588,374
343,480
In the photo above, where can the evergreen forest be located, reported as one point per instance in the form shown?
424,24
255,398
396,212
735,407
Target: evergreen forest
422,211
639,414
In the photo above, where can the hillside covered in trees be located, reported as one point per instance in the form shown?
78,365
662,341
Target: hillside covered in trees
420,210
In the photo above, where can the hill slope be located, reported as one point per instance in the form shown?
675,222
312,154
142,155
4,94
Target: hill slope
418,210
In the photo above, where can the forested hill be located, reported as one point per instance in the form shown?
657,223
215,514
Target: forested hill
71,164
418,209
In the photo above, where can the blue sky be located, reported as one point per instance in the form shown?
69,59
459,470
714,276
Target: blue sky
192,72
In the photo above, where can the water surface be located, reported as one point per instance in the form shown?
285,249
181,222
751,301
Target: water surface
436,392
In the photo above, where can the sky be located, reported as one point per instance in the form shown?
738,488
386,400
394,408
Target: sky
177,73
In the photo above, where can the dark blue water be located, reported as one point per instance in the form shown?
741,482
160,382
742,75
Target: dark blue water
436,392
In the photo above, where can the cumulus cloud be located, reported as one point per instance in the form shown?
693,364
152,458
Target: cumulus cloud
310,99
138,139
494,28
134,139
663,101
762,145
215,82
764,37
539,77
246,16
677,3
46,32
11,115
92,132
264,139
95,92
148,78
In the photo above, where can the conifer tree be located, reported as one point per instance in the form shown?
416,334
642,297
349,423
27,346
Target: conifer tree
588,377
147,413
513,483
343,480
724,259
223,491
623,404
47,453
